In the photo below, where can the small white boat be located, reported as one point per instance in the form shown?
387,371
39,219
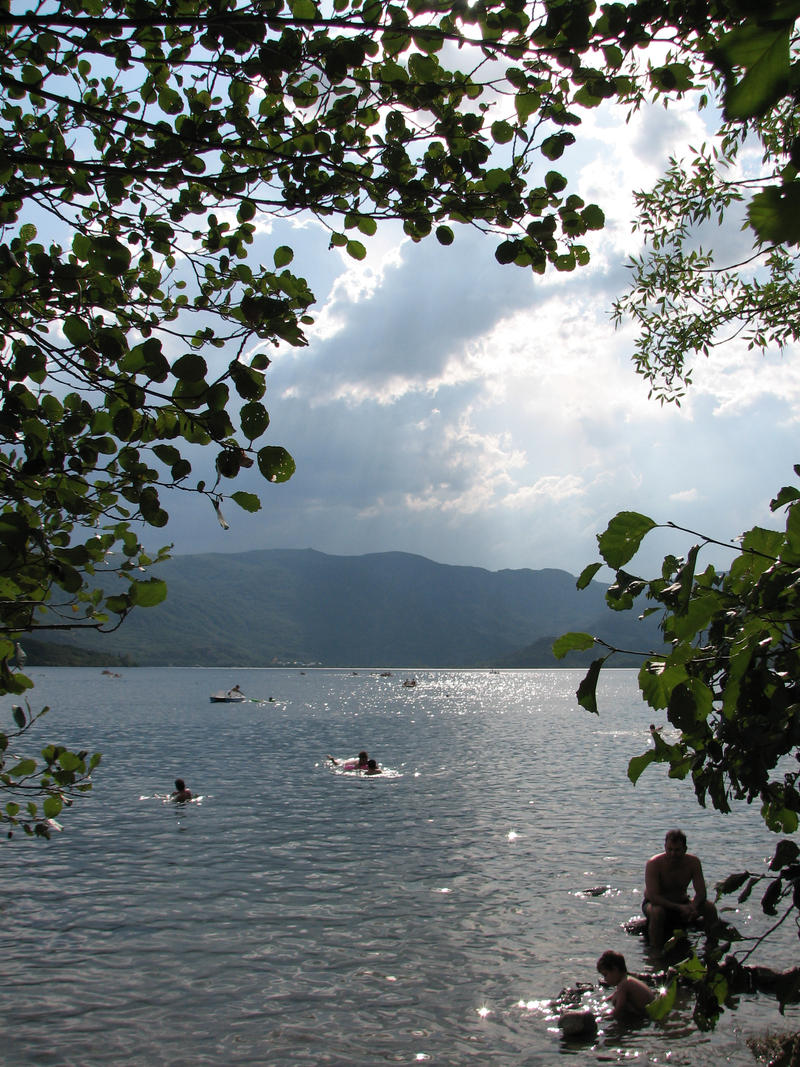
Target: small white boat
229,696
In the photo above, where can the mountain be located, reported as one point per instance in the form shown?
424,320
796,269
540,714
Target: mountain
384,609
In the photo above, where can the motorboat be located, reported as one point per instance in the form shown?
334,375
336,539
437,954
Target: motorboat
228,696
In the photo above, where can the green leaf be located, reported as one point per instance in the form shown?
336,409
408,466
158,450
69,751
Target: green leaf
770,899
303,9
23,769
190,368
275,463
254,420
554,181
638,764
108,256
507,252
764,53
283,256
774,214
593,217
502,132
586,575
246,501
247,211
786,852
732,883
149,593
672,78
553,147
52,806
572,642
587,690
623,536
526,103
76,331
660,1008
657,679
692,968
356,250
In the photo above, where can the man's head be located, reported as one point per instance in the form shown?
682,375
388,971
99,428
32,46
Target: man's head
675,844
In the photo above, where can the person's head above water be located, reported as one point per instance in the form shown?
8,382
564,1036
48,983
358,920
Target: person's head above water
180,785
363,758
612,962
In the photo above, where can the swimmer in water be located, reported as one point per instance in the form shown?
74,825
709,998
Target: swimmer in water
181,792
360,764
372,767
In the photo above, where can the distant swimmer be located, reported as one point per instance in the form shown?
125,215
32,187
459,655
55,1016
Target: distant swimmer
181,792
372,767
361,763
631,995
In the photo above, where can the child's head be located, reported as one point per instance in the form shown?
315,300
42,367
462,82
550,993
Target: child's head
611,966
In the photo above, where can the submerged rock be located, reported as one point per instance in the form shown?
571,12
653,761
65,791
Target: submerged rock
578,1023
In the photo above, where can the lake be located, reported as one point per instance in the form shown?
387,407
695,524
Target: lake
293,915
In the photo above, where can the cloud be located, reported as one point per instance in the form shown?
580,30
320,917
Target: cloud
478,414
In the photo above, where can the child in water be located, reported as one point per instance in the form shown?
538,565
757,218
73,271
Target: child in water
631,996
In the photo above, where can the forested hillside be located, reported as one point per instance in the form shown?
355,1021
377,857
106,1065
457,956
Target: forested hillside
385,609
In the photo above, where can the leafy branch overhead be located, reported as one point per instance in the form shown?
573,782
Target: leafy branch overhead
684,300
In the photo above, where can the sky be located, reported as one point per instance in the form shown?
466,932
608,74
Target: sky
480,415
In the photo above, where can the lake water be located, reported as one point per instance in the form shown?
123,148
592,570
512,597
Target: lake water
297,916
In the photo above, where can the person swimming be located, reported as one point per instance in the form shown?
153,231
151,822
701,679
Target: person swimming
361,763
181,792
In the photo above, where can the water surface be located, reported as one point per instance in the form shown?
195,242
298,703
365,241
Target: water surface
296,916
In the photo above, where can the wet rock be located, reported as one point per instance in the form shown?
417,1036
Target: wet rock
577,1023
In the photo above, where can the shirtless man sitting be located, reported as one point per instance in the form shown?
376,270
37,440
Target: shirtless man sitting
666,879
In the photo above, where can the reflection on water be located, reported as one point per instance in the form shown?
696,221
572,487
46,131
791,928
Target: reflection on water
295,915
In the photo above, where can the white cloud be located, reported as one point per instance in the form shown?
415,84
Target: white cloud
479,414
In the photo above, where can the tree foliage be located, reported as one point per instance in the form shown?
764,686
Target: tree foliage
683,298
